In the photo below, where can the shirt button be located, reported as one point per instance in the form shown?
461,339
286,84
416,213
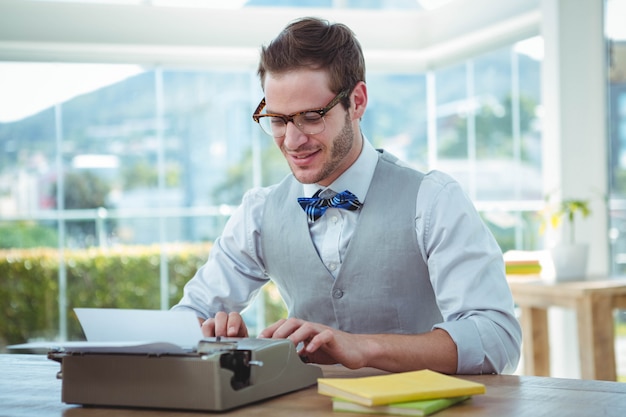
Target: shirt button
337,293
332,266
334,219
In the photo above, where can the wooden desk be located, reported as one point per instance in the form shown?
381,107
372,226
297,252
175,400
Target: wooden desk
29,388
593,301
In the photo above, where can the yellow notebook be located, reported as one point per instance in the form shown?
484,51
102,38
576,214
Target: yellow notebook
398,387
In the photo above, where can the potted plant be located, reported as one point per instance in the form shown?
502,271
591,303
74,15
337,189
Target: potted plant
569,257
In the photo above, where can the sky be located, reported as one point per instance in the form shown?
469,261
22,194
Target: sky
28,88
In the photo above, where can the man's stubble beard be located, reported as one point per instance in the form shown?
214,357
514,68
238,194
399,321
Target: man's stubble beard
341,146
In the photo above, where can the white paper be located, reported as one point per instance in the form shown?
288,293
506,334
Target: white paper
129,331
180,328
158,348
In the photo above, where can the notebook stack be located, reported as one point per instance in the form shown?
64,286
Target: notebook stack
416,393
522,262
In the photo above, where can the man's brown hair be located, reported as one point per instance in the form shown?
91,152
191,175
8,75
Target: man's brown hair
315,43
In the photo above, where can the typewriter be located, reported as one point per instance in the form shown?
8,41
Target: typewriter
219,374
160,359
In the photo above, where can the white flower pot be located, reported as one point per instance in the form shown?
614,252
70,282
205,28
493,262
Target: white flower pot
570,261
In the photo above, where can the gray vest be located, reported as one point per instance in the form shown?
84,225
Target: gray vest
383,285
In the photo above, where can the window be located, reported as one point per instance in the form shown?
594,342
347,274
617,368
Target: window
160,155
616,37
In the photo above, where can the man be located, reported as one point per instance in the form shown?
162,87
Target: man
407,277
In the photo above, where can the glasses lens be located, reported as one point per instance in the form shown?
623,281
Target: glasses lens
273,126
310,123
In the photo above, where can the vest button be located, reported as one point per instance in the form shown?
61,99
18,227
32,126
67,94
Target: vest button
337,293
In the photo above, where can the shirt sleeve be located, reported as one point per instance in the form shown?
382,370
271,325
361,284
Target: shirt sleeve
234,271
467,274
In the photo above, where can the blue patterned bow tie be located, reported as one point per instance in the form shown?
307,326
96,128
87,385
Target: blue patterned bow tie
315,206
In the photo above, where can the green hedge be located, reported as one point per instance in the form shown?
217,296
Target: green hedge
123,277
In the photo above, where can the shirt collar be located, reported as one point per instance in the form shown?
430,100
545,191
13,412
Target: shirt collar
356,178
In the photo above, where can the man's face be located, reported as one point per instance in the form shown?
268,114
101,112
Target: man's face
322,157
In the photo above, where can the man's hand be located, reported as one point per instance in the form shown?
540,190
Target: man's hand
391,352
225,325
321,344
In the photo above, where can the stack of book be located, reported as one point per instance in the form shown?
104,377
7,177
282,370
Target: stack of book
522,262
416,393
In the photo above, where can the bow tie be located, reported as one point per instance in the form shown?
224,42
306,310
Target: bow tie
316,206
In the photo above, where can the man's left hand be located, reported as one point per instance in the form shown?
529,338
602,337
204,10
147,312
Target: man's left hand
321,344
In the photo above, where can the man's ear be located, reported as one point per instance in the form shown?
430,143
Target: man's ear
358,101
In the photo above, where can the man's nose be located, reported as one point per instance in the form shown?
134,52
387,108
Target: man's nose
294,137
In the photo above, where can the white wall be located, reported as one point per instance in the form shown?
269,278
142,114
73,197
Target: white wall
575,141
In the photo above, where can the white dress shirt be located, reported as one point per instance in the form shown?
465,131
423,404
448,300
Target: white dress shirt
463,282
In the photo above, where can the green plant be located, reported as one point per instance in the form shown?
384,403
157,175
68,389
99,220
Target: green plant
27,234
118,277
555,213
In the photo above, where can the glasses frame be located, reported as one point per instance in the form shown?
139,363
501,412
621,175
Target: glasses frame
256,116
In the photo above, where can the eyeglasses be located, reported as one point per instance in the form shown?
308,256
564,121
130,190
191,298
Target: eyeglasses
310,122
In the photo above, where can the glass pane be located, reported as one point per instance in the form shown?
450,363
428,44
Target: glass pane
25,234
147,158
492,106
528,56
616,37
452,112
506,96
27,164
396,116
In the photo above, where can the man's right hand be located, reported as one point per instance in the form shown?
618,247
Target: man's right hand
224,325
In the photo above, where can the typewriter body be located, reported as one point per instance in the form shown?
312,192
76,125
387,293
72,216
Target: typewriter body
220,374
